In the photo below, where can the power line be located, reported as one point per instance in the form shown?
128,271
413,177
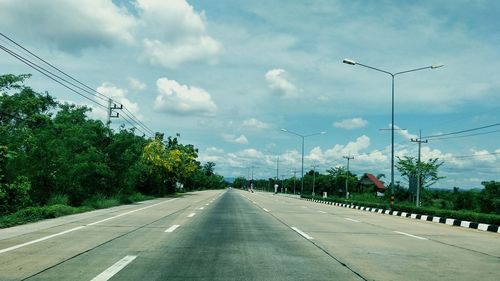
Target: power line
42,71
469,135
51,75
463,131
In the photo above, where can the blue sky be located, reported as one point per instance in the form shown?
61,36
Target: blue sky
228,75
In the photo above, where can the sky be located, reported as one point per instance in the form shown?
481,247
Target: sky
228,75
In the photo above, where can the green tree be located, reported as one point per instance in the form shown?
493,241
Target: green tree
409,167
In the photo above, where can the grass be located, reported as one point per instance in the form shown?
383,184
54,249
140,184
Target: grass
58,206
409,208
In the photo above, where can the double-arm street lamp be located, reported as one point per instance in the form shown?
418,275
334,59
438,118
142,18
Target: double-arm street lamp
303,137
351,62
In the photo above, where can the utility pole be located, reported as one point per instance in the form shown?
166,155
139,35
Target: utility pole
347,176
294,179
314,176
110,111
277,168
419,141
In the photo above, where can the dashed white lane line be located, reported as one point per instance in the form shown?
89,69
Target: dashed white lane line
172,228
414,236
201,208
191,215
114,269
353,220
77,228
323,212
207,204
305,235
265,210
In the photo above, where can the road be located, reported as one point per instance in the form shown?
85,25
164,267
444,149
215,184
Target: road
237,235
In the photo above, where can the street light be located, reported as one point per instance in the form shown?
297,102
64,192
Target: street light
303,137
351,62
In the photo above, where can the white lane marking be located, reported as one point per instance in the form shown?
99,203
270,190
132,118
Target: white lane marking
207,204
130,212
114,269
191,215
353,220
418,237
40,239
172,228
76,228
323,212
201,208
304,207
305,235
266,210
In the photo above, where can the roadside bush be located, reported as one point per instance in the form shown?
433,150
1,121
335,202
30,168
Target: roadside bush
14,196
459,215
100,201
58,199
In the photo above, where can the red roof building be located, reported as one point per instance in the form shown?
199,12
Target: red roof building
369,180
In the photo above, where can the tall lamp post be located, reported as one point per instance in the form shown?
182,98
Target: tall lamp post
351,62
303,137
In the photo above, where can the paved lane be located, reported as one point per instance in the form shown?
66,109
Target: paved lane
202,236
382,247
236,235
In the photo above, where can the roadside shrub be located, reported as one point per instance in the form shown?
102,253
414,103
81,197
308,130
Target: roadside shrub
58,199
14,196
459,215
100,201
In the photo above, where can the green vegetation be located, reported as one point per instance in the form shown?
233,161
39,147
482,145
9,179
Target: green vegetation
475,205
55,160
410,208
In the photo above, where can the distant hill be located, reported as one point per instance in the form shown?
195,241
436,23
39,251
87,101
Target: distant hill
229,179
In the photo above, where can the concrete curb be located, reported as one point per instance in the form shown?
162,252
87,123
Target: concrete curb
448,221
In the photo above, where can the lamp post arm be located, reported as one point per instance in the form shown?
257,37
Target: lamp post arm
412,70
374,68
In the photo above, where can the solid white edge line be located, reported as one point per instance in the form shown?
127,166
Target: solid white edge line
39,240
130,212
305,235
191,215
353,220
114,269
76,228
172,228
407,234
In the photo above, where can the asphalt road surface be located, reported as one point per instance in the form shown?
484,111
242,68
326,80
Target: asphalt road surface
237,235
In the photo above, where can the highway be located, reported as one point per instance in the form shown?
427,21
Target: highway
238,235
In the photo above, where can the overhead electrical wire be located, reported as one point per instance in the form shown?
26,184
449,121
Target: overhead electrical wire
133,120
47,74
461,132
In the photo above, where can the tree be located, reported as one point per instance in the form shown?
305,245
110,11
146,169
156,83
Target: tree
409,167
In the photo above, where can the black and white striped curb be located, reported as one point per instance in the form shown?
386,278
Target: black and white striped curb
452,222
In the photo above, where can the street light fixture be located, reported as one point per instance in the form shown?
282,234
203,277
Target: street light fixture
303,137
352,62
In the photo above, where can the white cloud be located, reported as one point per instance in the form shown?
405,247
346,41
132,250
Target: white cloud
182,99
120,96
278,81
234,139
70,25
256,124
176,33
350,124
404,133
136,85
